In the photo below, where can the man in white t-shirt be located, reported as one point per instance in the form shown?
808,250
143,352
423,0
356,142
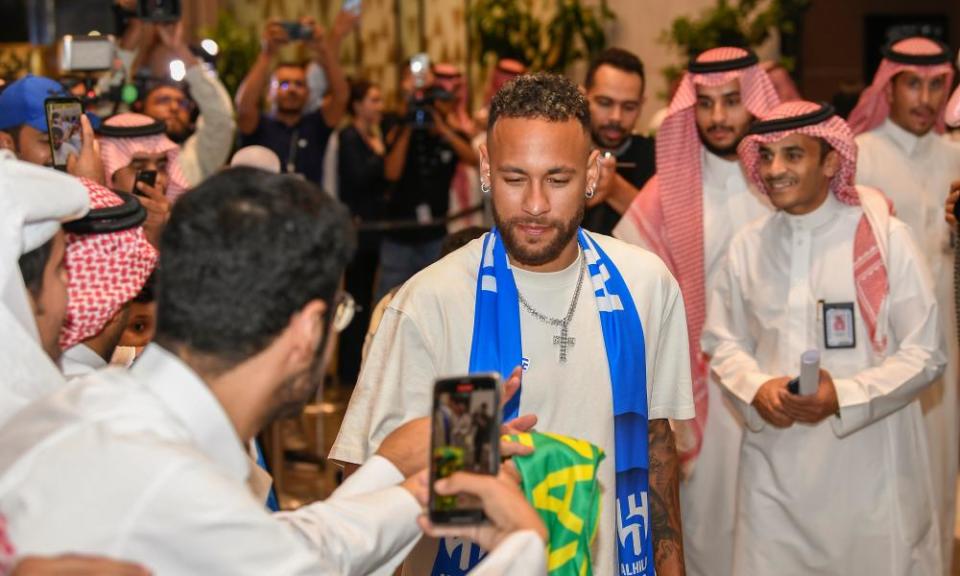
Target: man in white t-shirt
595,316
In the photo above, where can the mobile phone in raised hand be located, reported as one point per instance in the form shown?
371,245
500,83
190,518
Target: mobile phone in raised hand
465,437
148,177
297,31
63,129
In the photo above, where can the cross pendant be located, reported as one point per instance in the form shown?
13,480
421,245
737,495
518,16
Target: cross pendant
563,342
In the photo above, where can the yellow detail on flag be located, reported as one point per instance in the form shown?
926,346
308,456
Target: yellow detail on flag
543,500
581,447
562,555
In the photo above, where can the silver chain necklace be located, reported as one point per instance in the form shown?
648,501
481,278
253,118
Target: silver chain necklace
562,340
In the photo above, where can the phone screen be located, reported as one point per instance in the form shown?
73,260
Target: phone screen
148,177
466,433
63,129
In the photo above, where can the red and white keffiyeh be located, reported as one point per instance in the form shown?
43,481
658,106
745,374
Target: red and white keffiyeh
105,272
119,152
870,241
952,113
505,71
872,107
667,215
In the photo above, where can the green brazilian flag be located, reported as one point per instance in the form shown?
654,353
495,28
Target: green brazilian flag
560,481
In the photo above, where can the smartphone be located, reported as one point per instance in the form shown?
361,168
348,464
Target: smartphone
148,177
63,129
158,10
420,70
297,31
465,437
351,6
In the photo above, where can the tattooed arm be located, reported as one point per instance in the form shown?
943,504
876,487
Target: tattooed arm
665,500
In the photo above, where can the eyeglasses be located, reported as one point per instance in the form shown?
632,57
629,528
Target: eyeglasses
286,84
344,312
183,103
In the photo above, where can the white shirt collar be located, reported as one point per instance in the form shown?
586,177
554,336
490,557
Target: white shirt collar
192,402
822,215
79,360
906,141
718,170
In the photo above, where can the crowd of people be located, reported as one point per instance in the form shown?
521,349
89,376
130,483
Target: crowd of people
188,276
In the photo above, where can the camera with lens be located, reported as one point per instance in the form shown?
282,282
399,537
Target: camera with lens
158,10
422,106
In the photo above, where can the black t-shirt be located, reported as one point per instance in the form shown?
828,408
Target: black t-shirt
427,175
639,154
361,181
306,142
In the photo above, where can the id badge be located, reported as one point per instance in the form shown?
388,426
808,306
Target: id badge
423,214
839,330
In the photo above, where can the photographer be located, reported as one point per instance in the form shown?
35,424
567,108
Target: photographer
422,157
299,139
205,139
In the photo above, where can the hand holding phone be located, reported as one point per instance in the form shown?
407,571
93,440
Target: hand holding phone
158,10
297,30
148,177
63,129
465,438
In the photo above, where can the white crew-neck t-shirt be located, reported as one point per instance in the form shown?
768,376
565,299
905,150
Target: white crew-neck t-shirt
427,332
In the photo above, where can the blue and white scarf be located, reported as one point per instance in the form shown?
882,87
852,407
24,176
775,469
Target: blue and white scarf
497,347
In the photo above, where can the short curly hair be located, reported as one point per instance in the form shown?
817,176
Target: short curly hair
548,97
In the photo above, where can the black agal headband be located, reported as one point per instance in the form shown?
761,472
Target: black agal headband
125,216
824,113
745,61
917,59
158,127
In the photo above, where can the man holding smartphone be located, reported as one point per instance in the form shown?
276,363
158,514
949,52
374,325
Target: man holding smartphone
24,128
225,362
205,138
597,325
297,137
615,84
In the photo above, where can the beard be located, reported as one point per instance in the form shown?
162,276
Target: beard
721,151
178,132
543,253
299,389
603,141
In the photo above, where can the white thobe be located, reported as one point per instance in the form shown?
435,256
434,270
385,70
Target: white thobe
915,173
708,496
852,494
79,360
144,465
426,333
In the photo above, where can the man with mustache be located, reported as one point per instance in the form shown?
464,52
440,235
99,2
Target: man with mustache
687,214
597,326
899,121
833,476
615,84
